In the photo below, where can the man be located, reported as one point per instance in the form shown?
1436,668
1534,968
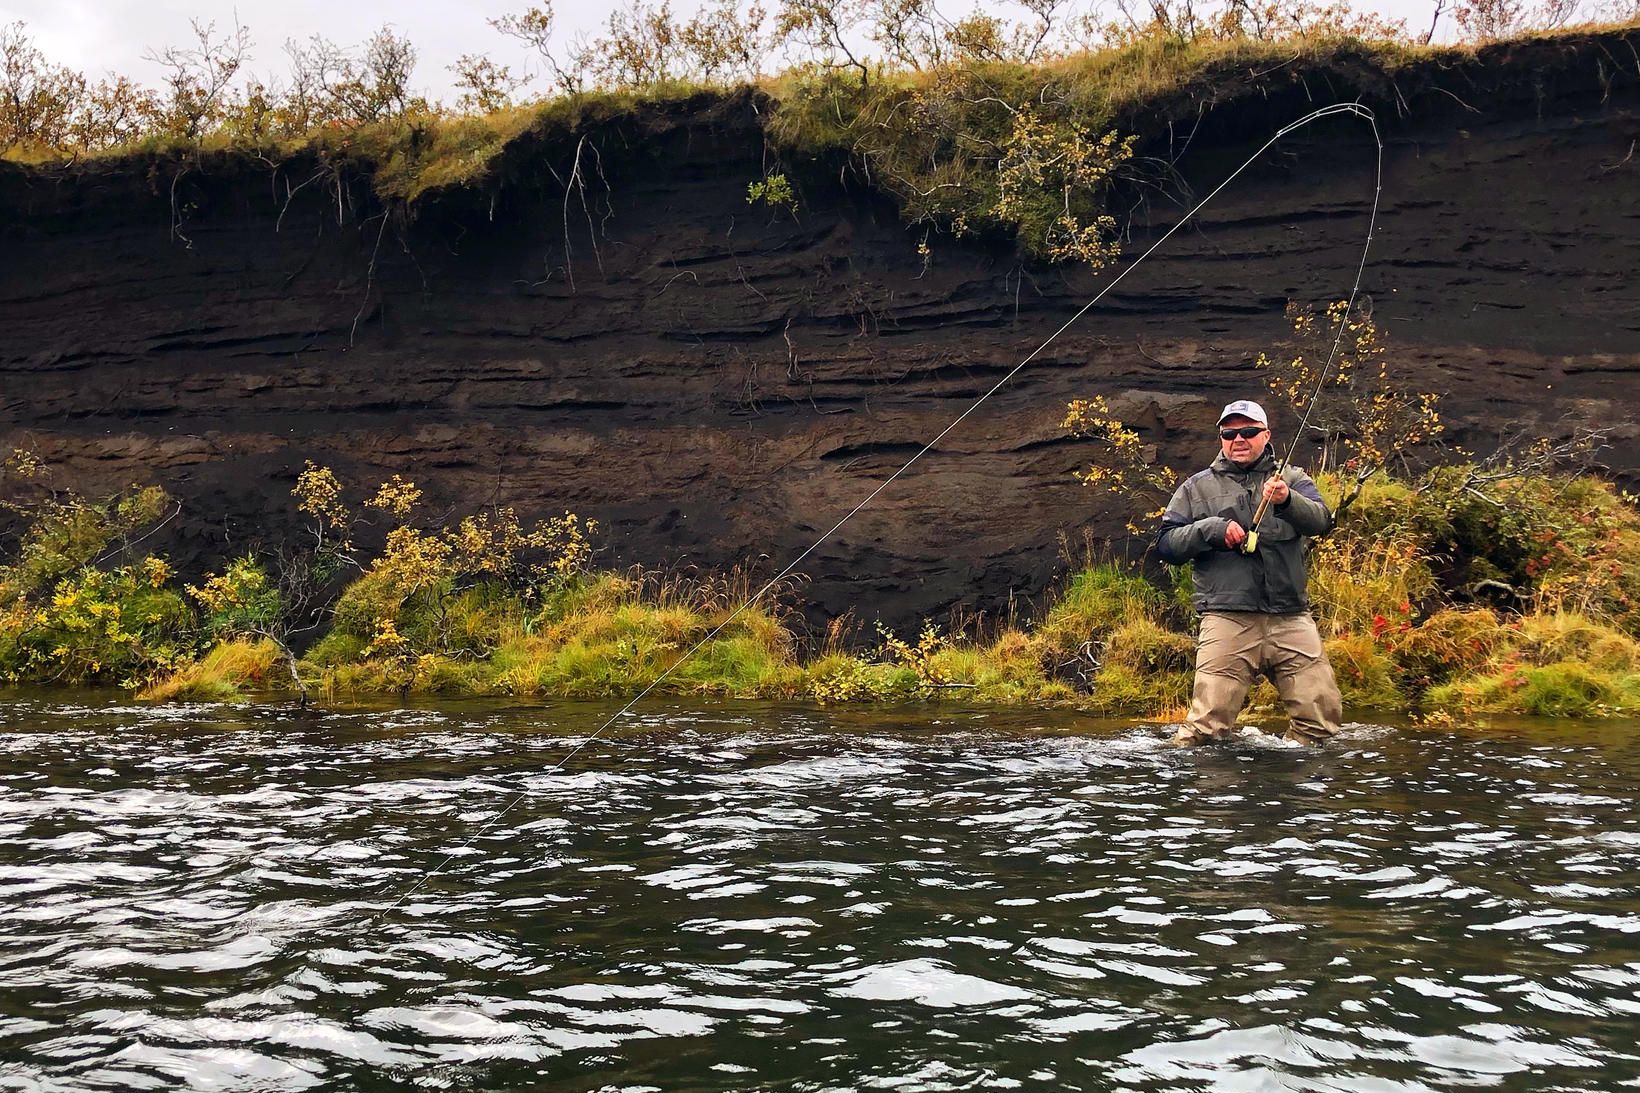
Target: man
1255,616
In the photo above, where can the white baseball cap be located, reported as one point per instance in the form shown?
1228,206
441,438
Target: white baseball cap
1252,411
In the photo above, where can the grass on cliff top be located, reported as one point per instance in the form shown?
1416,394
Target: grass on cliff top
814,113
817,111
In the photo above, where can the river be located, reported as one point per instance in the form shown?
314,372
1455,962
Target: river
763,898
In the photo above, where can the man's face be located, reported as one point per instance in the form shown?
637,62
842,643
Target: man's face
1243,451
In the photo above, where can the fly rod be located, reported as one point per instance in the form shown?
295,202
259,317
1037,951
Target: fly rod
1353,109
1250,544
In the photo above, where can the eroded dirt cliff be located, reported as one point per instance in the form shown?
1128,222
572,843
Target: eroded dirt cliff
718,383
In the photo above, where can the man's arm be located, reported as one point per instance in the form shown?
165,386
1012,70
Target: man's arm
1182,539
1304,508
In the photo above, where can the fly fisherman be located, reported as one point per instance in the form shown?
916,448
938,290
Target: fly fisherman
1250,590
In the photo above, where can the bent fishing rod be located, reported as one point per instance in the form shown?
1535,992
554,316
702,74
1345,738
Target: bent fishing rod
1352,109
1250,544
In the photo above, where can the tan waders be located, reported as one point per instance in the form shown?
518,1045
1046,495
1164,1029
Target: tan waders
1234,648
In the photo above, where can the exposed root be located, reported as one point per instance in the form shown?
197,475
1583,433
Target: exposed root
290,195
369,279
176,212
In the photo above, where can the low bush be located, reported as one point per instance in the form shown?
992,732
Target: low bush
1367,585
492,606
123,625
1451,642
1365,672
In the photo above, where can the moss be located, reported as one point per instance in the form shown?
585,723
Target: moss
452,676
1006,670
1554,637
359,677
1568,689
574,668
741,665
336,647
595,638
364,603
1145,668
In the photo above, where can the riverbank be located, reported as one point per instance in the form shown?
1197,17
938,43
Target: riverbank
706,376
1479,593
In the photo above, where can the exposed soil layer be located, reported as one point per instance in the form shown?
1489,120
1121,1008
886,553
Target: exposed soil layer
718,383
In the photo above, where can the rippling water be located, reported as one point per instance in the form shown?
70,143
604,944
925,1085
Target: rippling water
757,898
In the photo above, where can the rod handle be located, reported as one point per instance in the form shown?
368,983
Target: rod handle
1250,544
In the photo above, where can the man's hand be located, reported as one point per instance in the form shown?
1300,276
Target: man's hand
1276,491
1234,535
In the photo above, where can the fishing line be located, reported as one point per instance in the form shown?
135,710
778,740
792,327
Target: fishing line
1350,108
1251,542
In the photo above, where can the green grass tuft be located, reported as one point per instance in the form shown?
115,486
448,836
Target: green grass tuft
222,675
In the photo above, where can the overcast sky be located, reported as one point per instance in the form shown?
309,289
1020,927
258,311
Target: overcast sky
98,36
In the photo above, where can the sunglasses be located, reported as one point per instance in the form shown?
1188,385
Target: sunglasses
1246,432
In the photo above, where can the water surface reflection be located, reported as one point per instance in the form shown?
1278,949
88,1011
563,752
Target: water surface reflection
760,898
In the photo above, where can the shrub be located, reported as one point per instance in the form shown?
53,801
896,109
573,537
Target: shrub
242,599
64,535
922,660
1451,642
451,590
1372,584
1365,672
839,678
121,625
998,149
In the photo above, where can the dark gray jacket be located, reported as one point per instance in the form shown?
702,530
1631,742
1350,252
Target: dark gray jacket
1273,578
